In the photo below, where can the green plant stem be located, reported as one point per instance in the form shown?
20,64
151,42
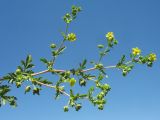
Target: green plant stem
100,58
63,41
51,86
86,70
59,70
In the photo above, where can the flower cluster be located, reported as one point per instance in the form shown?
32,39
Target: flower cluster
68,18
111,39
148,59
71,37
152,57
136,51
110,36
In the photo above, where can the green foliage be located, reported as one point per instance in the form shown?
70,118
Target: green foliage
70,79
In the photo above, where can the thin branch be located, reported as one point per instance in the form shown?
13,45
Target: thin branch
51,86
58,70
38,73
62,43
86,70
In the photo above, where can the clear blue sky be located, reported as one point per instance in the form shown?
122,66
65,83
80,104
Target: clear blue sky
29,26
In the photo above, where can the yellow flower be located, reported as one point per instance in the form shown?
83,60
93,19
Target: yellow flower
136,51
71,37
152,57
110,36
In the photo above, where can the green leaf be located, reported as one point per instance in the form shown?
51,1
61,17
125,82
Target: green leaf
84,62
29,59
71,93
122,60
23,63
44,60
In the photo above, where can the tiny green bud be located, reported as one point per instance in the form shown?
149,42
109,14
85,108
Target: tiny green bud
100,46
79,9
18,71
106,87
27,89
54,53
98,84
68,21
115,42
100,96
100,106
143,61
68,73
82,82
149,64
18,84
68,15
78,107
53,46
36,91
124,73
66,109
129,69
99,66
140,57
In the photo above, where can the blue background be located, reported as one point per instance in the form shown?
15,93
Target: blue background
30,26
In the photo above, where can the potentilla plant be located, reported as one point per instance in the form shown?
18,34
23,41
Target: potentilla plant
68,79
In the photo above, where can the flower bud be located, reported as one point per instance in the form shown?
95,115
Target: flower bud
99,66
82,82
100,106
65,108
100,96
124,73
78,107
18,84
106,87
52,46
68,73
18,71
149,64
27,89
100,46
115,42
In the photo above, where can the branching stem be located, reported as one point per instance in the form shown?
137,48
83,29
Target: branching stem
51,86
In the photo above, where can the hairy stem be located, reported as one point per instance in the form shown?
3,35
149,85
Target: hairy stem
62,43
51,86
58,70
